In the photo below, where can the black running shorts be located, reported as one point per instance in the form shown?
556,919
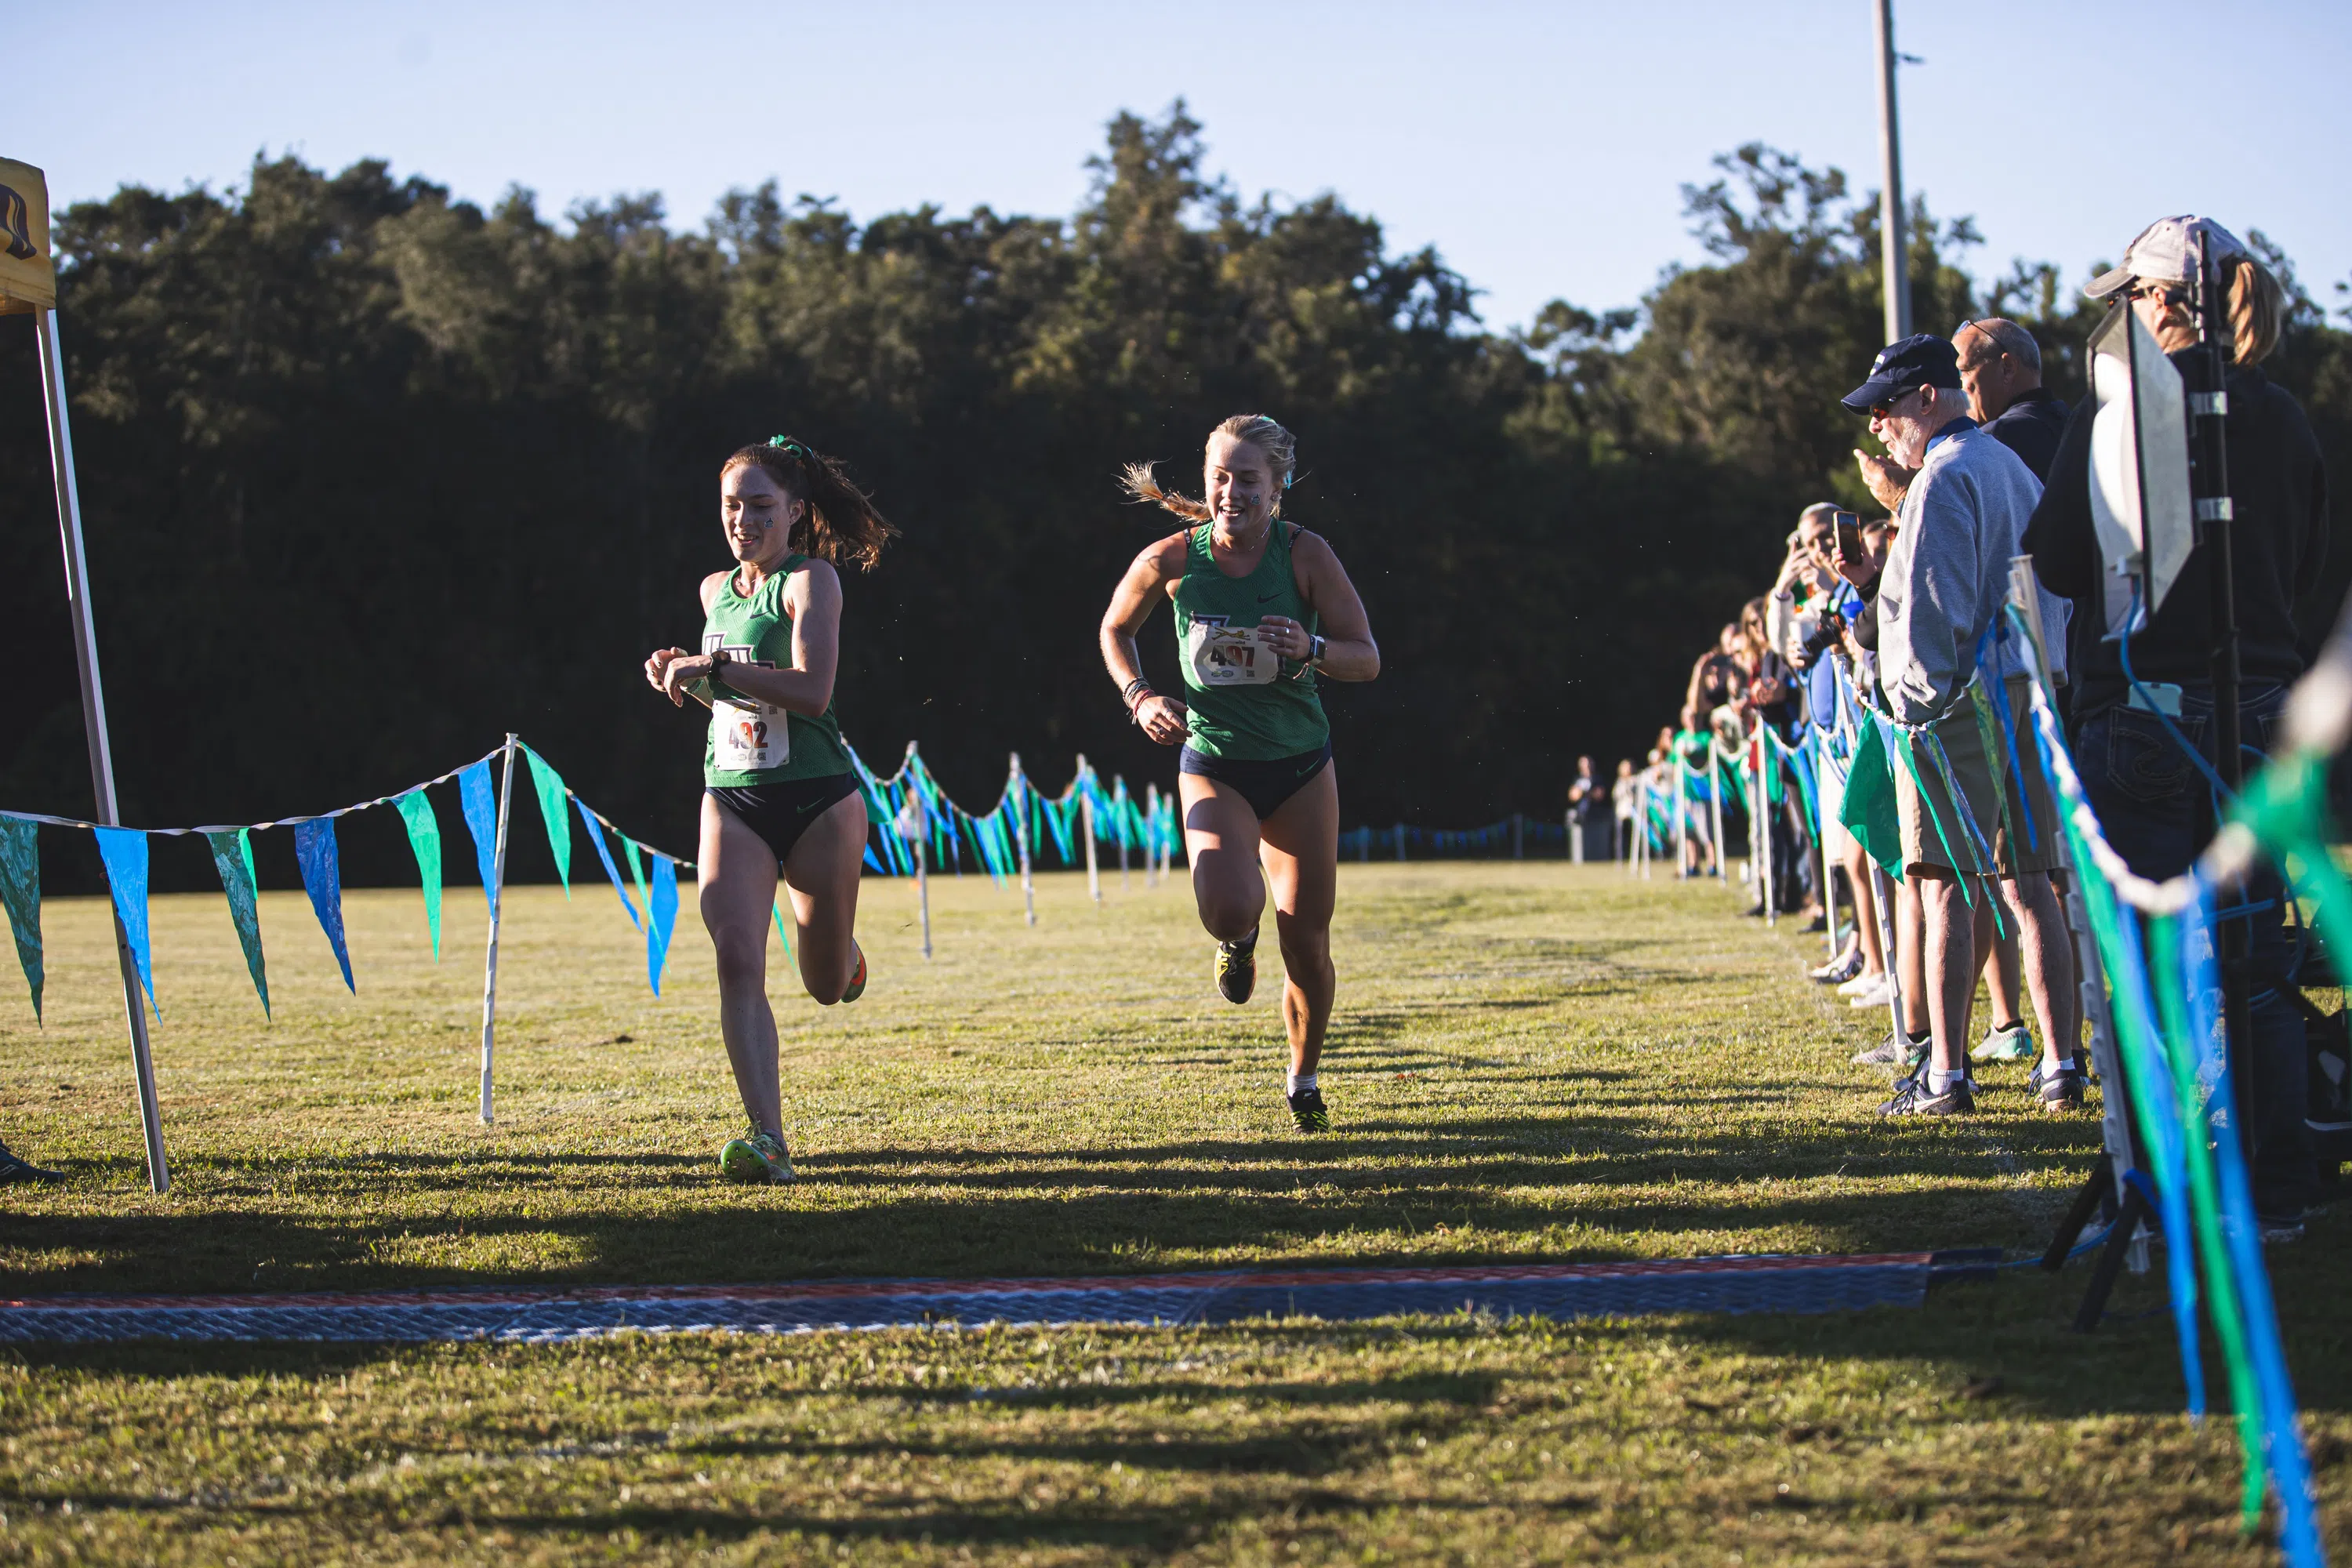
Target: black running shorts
1263,784
779,813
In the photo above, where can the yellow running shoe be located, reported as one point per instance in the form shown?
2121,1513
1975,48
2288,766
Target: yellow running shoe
756,1156
1237,969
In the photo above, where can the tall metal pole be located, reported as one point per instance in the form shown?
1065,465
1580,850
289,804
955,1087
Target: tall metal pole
93,718
1892,250
498,907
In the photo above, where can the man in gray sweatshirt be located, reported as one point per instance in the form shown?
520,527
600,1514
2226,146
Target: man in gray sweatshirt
1960,522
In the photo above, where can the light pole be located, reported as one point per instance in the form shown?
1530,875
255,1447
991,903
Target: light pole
1891,256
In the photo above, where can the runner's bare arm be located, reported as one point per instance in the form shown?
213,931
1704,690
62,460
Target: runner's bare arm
1349,651
1152,576
690,681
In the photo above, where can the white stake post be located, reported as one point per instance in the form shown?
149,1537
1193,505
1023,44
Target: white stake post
1755,819
1764,759
93,719
497,904
1829,886
1715,805
1017,786
1682,821
1086,823
1119,799
1152,870
918,817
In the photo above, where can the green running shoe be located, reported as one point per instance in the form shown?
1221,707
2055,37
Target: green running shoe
2010,1044
756,1156
1306,1111
856,986
1237,969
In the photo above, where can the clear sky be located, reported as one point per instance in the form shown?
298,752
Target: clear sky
1540,147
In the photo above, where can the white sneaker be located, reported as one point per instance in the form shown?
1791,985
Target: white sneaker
1862,983
1879,995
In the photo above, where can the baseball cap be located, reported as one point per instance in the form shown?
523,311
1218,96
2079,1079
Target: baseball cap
2166,252
1923,359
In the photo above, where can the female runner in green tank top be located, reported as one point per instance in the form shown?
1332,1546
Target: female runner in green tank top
779,793
1263,608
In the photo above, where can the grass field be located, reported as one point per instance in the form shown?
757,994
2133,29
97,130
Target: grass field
1531,1062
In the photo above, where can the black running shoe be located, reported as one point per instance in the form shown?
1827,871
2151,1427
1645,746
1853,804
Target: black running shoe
2057,1091
1912,1098
11,1169
1237,969
1306,1111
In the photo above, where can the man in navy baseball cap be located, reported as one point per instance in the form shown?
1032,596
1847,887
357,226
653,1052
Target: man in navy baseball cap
1920,360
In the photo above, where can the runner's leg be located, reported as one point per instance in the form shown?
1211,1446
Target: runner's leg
737,872
1221,838
1301,852
821,875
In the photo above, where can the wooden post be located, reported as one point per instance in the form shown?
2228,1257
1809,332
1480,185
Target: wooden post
497,908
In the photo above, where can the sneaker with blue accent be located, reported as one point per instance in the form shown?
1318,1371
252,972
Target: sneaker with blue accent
2011,1043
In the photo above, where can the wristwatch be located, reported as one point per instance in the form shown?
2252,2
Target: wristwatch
718,663
1314,647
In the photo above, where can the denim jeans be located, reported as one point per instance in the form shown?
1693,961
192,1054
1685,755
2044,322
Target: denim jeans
2155,805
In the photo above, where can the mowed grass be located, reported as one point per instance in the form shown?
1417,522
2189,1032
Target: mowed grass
1530,1061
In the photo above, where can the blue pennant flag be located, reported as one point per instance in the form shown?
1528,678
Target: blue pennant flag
661,914
605,853
322,878
480,803
124,850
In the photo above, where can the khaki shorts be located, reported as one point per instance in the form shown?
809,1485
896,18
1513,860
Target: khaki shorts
1924,850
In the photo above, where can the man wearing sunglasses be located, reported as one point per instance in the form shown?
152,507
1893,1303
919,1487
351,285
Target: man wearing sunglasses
1962,518
2000,370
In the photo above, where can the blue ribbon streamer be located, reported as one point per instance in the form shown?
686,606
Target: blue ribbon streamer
322,878
124,851
480,803
661,907
604,854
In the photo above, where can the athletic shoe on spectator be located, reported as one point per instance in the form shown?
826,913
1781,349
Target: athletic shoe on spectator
1878,996
1862,983
2012,1043
1912,1097
2057,1091
1842,968
1893,1051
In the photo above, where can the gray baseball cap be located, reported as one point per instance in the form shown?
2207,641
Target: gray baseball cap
2166,252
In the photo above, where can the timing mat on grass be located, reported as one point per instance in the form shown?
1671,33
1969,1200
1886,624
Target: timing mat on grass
1563,1290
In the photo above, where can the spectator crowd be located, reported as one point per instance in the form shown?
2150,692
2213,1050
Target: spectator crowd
1866,718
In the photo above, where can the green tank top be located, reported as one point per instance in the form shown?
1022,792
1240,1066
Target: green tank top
1247,704
754,742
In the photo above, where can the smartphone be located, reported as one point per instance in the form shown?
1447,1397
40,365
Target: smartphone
1849,537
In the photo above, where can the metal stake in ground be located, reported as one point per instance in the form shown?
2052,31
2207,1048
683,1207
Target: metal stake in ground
497,901
93,718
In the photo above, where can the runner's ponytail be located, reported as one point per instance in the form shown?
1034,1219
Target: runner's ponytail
1281,449
841,525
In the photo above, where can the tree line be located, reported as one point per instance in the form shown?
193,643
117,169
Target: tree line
372,475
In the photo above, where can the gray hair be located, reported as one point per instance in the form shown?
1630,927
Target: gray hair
2006,337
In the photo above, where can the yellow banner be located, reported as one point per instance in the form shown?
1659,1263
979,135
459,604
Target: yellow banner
28,273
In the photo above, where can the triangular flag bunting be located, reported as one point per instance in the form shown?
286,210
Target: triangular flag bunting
661,914
480,805
782,932
424,839
232,851
605,853
549,784
20,889
636,866
124,850
322,878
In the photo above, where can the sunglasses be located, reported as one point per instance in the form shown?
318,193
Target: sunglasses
1887,410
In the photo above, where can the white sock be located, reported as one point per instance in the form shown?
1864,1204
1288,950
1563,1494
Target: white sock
1301,1082
1942,1082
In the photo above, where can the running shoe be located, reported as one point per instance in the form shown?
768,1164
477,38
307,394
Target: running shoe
1913,1097
1861,983
1893,1051
1237,970
2057,1091
11,1169
756,1156
856,986
1878,996
1306,1111
1841,969
2010,1044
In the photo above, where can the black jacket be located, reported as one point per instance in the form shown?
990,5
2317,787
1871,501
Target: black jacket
2032,427
2278,541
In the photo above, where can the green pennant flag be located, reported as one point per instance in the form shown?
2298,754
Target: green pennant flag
232,851
549,784
20,889
424,838
783,932
636,867
1868,810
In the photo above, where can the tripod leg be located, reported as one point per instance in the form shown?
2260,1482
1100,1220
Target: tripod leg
2078,1214
2111,1260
